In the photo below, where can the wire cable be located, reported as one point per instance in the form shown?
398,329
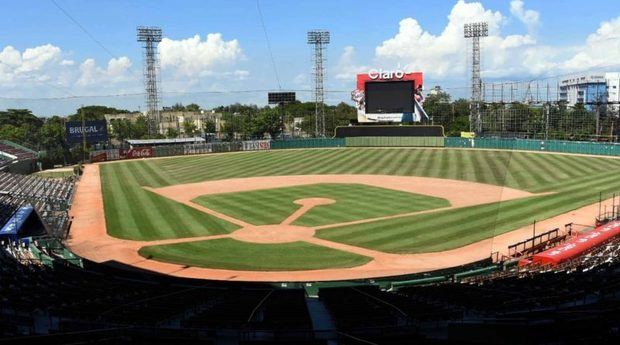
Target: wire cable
83,29
273,61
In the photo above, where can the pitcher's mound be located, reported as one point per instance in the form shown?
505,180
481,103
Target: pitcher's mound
273,234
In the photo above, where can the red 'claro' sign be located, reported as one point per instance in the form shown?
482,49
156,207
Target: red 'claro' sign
578,245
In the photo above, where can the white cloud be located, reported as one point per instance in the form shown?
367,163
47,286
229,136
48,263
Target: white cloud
530,18
444,54
193,56
44,71
116,71
32,64
346,69
601,49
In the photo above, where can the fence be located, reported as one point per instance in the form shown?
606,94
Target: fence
580,147
178,150
395,141
307,143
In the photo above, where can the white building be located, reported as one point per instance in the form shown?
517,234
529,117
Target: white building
590,89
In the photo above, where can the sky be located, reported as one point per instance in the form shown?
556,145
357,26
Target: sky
56,55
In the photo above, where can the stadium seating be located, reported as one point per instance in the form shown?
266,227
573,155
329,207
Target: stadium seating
51,197
14,150
38,297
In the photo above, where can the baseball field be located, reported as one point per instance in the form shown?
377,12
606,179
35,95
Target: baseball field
335,209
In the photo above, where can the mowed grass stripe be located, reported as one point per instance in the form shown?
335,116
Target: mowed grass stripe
549,171
148,216
409,165
451,229
118,210
530,171
570,167
236,255
183,219
353,202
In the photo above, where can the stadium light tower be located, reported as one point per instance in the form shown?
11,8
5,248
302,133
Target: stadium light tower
319,39
150,36
475,31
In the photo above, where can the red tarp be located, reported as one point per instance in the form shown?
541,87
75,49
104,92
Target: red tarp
578,245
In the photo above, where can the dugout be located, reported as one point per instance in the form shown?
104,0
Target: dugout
24,222
367,136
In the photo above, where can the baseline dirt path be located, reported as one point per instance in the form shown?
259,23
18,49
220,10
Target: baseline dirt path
89,238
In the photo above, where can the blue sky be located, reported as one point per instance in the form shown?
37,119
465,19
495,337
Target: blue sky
43,54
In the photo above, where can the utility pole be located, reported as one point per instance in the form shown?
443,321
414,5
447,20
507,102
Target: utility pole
83,134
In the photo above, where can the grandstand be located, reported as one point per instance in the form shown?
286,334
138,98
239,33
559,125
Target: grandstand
51,198
44,290
16,158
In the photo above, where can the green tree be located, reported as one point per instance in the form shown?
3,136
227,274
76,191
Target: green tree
95,112
140,129
172,133
268,121
192,107
189,128
209,126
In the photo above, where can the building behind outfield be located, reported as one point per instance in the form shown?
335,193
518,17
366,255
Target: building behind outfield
172,119
591,88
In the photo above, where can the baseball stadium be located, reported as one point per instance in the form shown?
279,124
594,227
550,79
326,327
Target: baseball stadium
387,213
394,238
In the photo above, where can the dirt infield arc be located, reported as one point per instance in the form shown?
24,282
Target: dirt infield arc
90,240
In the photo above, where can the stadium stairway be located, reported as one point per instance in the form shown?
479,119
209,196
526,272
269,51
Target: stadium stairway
322,321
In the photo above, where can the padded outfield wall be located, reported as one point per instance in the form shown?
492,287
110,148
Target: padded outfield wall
395,141
577,147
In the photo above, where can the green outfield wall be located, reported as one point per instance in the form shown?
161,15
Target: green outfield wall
579,147
307,143
394,141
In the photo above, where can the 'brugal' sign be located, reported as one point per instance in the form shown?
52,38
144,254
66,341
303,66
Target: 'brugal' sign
94,131
381,74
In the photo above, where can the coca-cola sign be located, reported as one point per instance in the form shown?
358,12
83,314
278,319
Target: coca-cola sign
138,152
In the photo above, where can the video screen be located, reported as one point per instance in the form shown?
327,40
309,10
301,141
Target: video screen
389,97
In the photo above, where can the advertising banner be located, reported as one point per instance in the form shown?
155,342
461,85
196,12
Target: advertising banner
578,244
138,152
98,157
256,145
94,131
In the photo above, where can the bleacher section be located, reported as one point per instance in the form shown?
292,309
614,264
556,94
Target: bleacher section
68,298
16,158
51,198
55,295
19,152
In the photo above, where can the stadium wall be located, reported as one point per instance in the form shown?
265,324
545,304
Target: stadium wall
395,141
178,150
579,147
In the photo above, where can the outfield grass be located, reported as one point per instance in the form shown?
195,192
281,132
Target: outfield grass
522,170
227,253
132,212
55,174
353,202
